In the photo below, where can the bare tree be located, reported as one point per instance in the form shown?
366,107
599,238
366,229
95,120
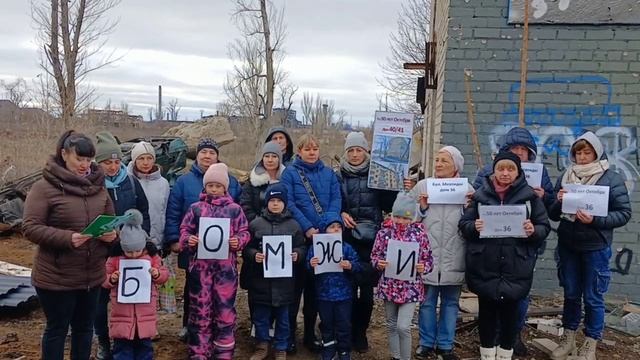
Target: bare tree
317,112
251,86
407,44
17,92
173,110
81,26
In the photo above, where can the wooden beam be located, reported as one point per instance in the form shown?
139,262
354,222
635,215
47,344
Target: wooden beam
414,66
524,65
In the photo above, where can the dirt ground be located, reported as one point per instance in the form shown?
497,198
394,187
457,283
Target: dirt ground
20,332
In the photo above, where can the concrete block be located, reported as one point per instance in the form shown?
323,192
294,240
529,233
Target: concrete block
611,66
613,45
615,55
626,34
583,45
555,65
545,345
500,44
583,66
488,12
486,33
543,34
571,34
600,34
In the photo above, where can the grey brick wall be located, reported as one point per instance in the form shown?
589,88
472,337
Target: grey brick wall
580,77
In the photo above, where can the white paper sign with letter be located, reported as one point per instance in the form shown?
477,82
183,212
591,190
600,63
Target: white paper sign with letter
134,284
533,173
503,220
214,238
328,249
593,199
277,256
447,191
403,258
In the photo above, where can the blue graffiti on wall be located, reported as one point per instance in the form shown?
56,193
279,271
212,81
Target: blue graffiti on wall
555,128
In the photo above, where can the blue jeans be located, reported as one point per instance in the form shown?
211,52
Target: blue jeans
63,308
439,332
262,315
585,277
137,349
335,326
523,308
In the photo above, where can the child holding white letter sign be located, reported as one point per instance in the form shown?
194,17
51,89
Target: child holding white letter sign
213,283
271,297
401,296
132,325
334,294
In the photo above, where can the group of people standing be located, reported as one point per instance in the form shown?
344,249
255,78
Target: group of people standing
293,193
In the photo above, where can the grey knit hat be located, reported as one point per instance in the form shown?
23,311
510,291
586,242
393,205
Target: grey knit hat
356,138
107,147
404,206
132,236
272,147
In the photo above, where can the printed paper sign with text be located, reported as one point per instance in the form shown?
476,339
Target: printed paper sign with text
277,256
593,199
533,173
214,238
447,191
328,249
502,220
403,258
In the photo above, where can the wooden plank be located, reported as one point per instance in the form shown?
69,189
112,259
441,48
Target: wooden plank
547,311
14,270
545,345
632,308
469,305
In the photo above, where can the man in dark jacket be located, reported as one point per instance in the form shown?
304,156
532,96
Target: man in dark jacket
520,142
279,135
272,297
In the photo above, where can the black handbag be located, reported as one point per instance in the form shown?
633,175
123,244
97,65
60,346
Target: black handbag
365,231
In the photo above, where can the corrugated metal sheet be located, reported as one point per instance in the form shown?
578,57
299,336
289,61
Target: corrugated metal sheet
15,290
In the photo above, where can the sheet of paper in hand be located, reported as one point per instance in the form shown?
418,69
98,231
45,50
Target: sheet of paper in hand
447,191
104,223
403,258
277,256
390,150
134,284
214,238
328,249
533,173
503,220
593,199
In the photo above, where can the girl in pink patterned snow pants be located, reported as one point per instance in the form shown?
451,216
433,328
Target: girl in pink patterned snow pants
213,283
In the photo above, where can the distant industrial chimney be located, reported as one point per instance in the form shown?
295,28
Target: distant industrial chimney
160,112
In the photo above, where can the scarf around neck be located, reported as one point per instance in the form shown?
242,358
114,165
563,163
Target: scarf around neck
587,174
355,169
113,182
501,190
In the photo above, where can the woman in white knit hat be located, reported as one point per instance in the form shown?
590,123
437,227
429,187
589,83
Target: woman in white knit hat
448,249
143,166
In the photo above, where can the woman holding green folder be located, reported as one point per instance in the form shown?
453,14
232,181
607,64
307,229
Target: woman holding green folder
69,267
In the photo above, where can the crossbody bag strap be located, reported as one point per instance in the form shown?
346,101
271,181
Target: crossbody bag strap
312,194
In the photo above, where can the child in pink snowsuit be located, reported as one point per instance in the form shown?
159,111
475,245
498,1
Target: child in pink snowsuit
212,313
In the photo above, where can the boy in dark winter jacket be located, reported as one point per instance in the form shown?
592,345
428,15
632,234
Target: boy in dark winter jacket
334,298
272,297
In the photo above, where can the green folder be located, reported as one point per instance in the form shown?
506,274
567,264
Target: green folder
105,223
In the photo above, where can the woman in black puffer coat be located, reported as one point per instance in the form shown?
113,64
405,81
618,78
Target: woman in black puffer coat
500,270
362,209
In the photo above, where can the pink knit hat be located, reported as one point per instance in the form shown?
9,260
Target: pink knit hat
218,173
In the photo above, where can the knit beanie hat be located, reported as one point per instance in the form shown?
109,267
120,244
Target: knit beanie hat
456,155
207,143
142,148
328,219
107,147
271,147
356,138
276,191
218,173
404,206
508,155
132,236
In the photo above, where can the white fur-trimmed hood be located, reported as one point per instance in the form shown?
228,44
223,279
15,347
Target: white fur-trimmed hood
259,175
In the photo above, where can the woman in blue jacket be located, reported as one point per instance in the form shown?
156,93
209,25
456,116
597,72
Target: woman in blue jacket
313,192
584,245
185,192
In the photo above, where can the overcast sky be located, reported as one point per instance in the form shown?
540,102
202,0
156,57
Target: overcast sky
333,48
